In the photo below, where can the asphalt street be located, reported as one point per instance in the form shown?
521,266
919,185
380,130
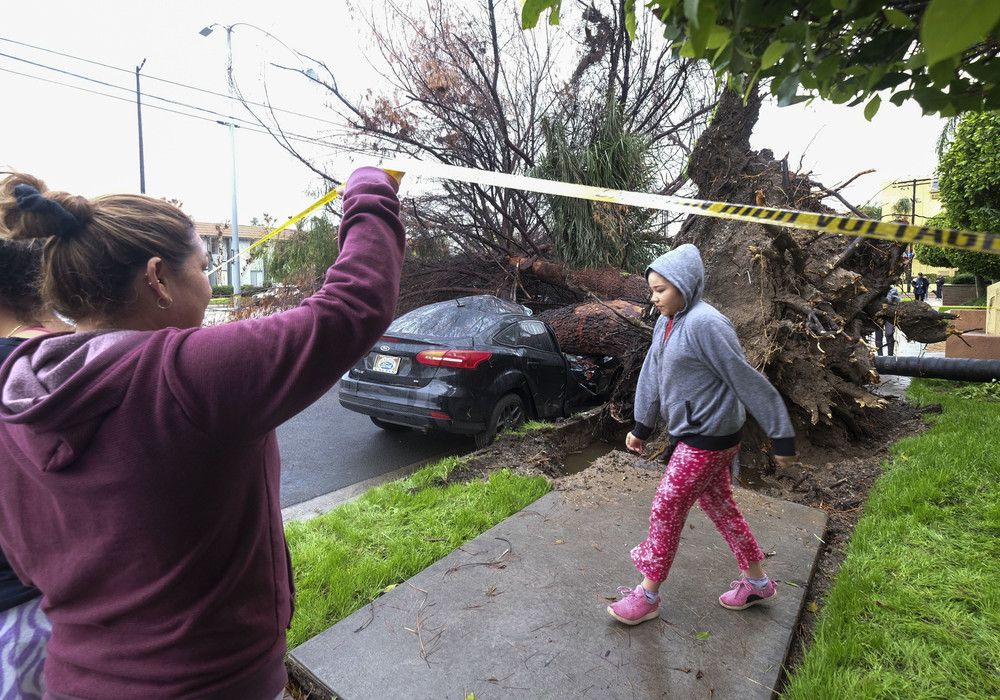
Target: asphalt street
326,448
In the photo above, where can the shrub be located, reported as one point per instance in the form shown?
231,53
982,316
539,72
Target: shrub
250,291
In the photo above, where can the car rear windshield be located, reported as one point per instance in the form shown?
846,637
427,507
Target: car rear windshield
451,319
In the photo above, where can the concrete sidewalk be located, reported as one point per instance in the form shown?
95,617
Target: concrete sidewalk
520,612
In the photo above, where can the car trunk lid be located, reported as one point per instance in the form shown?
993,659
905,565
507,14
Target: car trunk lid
415,360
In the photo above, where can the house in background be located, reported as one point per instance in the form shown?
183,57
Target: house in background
914,201
219,244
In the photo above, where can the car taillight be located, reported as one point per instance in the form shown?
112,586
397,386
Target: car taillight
459,359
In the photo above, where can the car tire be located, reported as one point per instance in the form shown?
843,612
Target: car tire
387,426
508,414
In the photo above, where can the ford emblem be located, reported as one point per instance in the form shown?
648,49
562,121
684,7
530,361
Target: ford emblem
383,348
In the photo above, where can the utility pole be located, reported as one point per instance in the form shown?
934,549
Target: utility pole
232,146
138,106
235,278
913,220
309,73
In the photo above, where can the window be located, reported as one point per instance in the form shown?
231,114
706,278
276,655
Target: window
534,334
526,334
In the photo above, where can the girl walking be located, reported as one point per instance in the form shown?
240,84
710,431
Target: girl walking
696,378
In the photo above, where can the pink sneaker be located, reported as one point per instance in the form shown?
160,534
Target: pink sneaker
633,608
743,594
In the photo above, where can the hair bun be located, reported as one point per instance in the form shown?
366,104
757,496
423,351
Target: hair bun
64,225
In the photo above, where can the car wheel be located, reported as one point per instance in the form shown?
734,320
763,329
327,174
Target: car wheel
387,426
508,414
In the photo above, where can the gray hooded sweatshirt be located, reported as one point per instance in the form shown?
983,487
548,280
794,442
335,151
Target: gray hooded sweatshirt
696,377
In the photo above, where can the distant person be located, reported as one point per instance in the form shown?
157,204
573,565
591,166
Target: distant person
696,378
920,285
138,460
887,325
939,286
24,629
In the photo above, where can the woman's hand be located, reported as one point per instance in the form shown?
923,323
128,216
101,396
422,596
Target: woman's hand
633,443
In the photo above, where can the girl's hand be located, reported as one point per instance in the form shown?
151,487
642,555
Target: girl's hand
633,443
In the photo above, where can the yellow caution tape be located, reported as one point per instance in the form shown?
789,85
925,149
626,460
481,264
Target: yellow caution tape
826,223
787,218
329,196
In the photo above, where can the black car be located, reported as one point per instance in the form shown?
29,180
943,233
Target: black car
477,366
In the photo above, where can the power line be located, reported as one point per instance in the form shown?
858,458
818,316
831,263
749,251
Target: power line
105,84
171,106
214,116
149,77
249,124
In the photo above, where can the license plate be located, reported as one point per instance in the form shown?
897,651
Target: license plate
386,363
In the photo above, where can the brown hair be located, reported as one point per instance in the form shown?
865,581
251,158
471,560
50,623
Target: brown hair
89,273
20,268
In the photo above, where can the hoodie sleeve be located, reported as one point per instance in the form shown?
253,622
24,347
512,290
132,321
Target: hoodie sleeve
647,390
242,379
721,348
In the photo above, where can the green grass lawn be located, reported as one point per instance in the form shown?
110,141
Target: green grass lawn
915,609
349,556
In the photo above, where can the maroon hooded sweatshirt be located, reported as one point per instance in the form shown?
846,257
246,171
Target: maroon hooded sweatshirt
139,478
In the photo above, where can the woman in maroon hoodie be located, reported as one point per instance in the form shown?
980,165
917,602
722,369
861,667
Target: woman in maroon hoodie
138,457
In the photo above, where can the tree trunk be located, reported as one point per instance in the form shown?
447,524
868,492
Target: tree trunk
616,327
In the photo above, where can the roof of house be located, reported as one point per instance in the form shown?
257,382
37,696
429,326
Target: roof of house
247,232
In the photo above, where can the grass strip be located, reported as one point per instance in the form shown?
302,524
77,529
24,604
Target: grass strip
914,611
349,556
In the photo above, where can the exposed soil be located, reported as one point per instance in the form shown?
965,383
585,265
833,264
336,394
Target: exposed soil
836,478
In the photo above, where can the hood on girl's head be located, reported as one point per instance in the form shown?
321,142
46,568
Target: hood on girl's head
683,268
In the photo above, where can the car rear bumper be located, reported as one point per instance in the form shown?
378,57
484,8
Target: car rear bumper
461,414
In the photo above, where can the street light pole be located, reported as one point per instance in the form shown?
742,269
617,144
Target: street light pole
232,145
138,106
235,279
232,127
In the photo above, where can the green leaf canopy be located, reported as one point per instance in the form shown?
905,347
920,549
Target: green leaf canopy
940,53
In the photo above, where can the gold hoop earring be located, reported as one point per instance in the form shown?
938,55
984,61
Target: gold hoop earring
159,303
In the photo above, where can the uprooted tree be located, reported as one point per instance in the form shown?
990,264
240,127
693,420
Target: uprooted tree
802,302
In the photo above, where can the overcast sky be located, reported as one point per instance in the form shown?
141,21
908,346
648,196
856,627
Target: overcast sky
835,143
82,136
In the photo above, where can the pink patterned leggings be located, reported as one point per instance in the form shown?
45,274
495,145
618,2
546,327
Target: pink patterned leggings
693,475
